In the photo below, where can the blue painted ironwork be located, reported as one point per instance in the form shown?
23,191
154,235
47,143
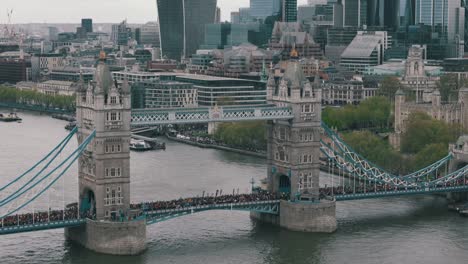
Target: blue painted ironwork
149,117
61,145
346,153
75,156
18,192
373,195
267,207
41,226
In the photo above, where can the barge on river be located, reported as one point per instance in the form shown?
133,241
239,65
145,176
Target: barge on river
11,117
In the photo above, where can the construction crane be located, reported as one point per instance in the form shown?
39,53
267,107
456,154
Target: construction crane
8,30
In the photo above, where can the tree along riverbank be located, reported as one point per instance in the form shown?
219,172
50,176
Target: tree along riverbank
35,101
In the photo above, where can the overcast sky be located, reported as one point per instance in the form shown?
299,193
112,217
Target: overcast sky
102,11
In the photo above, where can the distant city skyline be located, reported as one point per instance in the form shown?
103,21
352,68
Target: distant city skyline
102,11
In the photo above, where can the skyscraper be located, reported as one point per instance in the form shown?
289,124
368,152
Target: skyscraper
409,14
87,24
383,13
182,25
355,12
447,19
289,9
264,8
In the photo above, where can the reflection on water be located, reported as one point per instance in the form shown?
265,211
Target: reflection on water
416,229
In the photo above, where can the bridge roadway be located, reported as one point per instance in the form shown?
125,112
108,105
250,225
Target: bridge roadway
151,117
153,216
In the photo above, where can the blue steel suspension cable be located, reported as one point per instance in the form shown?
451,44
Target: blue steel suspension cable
76,153
418,174
44,168
64,141
85,143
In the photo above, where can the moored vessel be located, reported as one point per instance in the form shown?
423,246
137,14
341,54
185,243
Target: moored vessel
11,117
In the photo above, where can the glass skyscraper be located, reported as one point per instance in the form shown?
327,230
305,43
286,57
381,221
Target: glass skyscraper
182,25
447,20
383,13
264,8
443,15
289,10
355,12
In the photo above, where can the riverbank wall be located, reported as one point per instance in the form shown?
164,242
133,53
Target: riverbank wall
201,145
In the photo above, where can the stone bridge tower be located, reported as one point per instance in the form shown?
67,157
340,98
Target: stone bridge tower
104,167
294,152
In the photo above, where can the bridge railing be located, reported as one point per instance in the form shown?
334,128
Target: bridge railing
210,206
144,117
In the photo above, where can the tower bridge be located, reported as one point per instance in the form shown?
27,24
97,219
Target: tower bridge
103,219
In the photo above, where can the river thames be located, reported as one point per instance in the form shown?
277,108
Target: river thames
416,229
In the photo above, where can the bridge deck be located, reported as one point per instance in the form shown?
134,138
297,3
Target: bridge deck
41,226
267,207
371,194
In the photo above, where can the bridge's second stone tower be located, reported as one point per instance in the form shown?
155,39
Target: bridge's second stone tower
294,152
104,167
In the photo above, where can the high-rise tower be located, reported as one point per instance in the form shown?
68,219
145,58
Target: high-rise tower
289,9
182,25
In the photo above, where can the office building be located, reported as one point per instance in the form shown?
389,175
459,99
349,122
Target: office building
409,13
262,9
354,13
235,18
342,92
289,9
213,90
13,71
53,88
150,34
218,15
182,25
44,63
381,13
121,34
338,39
81,33
87,24
71,74
447,19
53,33
168,94
216,36
367,49
316,2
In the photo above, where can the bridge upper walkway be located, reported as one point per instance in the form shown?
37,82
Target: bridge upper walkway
149,117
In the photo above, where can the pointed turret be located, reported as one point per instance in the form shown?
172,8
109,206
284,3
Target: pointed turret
102,77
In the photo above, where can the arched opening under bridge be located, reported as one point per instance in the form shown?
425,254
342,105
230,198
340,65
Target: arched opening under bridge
284,185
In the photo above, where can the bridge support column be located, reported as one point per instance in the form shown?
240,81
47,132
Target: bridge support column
303,216
114,238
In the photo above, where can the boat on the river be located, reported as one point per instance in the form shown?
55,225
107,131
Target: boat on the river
140,145
11,117
64,117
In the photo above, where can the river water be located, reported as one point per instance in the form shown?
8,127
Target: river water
416,229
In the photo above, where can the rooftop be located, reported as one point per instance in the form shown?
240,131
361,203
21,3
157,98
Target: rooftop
362,46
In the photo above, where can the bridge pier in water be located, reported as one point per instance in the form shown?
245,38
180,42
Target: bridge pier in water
104,169
294,152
